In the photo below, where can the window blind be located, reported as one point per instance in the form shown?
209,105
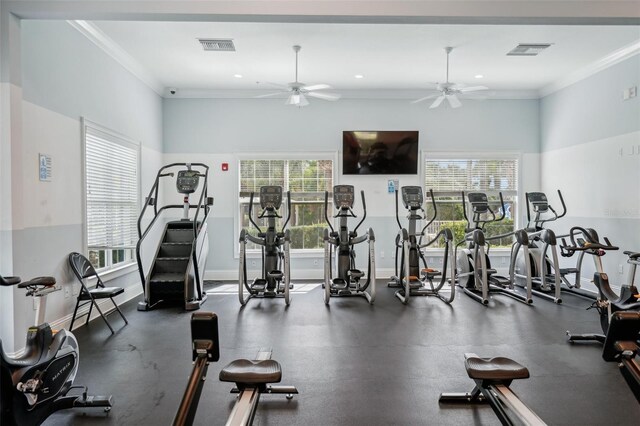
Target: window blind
302,177
450,176
111,176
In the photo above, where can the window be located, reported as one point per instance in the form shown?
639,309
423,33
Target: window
448,177
111,196
306,179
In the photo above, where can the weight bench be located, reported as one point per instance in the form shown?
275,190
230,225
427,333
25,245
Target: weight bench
621,346
252,378
493,377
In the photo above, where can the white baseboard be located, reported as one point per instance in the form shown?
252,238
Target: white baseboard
105,305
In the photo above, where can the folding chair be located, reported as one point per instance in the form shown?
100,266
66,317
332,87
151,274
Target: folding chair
83,269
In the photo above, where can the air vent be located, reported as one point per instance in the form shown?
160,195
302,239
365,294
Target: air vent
217,44
528,49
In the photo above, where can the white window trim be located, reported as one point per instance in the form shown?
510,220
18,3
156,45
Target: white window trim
314,155
493,155
120,269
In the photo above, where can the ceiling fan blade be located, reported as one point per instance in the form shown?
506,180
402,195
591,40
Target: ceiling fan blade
325,96
276,85
316,87
454,101
297,99
472,89
431,96
269,94
437,102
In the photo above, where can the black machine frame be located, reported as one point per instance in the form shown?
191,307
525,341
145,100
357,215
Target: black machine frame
341,244
475,275
194,294
275,279
410,277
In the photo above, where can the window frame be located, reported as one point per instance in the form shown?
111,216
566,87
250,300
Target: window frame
109,271
313,155
480,155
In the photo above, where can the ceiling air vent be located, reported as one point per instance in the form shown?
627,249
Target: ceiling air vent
528,49
217,44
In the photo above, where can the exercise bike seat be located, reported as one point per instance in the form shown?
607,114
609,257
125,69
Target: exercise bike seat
498,369
39,281
9,281
632,255
247,372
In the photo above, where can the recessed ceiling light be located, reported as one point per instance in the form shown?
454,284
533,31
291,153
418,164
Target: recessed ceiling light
237,75
479,76
359,76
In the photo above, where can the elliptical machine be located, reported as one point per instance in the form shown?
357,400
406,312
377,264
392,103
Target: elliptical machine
275,278
475,275
341,244
37,383
410,277
545,274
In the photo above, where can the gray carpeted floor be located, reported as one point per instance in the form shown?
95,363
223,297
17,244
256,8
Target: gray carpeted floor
355,364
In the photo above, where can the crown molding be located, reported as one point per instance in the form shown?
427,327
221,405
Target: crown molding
601,64
346,94
113,49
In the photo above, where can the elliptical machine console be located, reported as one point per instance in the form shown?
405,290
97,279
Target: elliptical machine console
274,280
340,245
410,277
37,383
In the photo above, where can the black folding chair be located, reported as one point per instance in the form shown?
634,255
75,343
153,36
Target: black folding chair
83,269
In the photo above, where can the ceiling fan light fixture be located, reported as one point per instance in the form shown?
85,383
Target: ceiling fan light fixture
479,76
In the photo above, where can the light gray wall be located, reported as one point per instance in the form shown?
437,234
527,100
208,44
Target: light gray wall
590,140
65,77
222,130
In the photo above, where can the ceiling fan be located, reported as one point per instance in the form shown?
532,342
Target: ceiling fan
299,91
451,91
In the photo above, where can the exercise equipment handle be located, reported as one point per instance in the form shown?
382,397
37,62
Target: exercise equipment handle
435,212
326,207
397,214
251,212
284,226
364,215
564,206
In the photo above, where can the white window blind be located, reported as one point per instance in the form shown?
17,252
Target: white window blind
485,175
449,177
112,194
306,179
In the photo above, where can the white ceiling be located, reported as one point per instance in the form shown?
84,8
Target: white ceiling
389,56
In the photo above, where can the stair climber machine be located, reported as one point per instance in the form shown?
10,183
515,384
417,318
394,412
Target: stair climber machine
546,275
39,382
275,278
340,245
177,271
413,276
475,275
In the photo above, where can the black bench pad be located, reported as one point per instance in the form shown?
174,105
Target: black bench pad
244,371
498,369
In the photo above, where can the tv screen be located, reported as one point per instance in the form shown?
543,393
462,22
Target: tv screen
380,152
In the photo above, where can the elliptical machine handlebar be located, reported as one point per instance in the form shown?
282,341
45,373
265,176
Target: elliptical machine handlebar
251,213
555,217
284,226
591,243
326,207
493,215
364,215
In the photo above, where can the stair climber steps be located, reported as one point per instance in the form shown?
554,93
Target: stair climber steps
174,250
178,235
167,278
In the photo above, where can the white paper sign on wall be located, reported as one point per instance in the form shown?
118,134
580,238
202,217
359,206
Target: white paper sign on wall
45,167
392,185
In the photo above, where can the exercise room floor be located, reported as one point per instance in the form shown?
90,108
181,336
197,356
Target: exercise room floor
355,364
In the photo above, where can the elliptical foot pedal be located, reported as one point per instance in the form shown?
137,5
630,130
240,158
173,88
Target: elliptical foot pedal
277,275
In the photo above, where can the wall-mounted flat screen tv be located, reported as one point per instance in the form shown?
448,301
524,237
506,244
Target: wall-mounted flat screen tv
380,152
